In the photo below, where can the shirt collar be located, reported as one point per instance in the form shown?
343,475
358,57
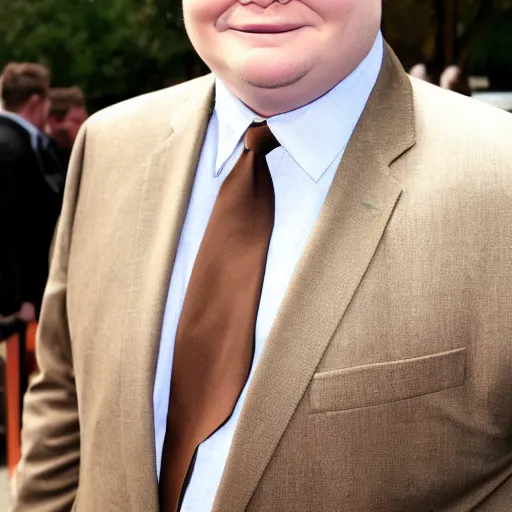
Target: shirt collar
33,132
313,135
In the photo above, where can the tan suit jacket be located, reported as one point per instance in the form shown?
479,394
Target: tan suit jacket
386,382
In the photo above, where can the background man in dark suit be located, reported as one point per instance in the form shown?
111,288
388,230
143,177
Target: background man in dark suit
31,183
68,112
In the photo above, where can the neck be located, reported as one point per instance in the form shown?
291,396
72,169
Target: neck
26,114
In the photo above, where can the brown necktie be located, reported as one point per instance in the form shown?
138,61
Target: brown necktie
214,343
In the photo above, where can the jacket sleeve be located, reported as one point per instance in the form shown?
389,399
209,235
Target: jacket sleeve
47,475
10,275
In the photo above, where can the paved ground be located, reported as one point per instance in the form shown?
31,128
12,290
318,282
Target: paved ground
4,490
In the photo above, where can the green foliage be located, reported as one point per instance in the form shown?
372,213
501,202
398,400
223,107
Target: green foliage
113,49
494,57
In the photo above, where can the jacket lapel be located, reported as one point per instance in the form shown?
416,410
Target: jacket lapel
350,226
164,197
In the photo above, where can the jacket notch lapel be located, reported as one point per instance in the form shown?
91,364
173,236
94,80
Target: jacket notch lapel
164,197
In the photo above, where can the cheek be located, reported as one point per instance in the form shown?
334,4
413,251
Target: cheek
201,17
344,12
330,10
201,12
348,23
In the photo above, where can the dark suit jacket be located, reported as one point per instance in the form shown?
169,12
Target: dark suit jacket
31,185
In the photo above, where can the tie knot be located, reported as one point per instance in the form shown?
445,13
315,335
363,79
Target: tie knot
260,139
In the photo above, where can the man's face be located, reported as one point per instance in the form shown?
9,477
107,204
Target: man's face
64,130
268,45
75,118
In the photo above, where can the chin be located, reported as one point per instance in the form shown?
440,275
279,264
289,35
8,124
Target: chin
270,75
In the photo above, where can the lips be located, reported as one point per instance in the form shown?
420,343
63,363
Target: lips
266,29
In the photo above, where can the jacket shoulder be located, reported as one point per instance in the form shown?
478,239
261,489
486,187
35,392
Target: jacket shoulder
15,144
154,107
459,121
12,133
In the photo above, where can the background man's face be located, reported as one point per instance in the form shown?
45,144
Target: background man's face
272,44
65,130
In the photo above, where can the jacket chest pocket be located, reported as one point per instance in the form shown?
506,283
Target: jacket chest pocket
382,383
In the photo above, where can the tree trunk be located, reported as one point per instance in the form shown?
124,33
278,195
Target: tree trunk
449,26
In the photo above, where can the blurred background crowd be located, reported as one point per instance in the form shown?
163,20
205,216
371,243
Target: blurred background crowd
63,60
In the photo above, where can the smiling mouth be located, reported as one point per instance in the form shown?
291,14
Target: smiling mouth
266,30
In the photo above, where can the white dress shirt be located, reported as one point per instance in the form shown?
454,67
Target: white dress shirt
313,139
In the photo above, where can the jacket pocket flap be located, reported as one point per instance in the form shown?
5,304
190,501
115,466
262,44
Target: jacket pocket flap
381,383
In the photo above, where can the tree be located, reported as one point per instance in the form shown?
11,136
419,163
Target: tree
441,32
112,49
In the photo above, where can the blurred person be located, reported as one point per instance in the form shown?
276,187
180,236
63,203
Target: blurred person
31,183
67,114
420,71
283,287
453,79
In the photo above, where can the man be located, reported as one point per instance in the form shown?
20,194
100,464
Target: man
379,362
67,114
31,185
453,79
420,71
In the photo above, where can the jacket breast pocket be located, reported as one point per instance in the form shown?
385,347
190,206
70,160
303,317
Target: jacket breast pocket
381,383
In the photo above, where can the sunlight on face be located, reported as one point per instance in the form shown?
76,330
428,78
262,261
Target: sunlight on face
261,47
